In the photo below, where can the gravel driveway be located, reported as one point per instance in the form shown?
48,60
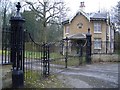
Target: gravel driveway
102,75
98,75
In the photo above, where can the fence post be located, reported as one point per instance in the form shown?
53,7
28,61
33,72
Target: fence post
46,62
80,54
88,47
44,59
17,49
66,57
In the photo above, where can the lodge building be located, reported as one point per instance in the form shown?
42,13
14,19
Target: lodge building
101,28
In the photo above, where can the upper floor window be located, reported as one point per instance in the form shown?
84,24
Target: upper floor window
67,30
97,27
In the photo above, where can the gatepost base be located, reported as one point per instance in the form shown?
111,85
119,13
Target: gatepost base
17,79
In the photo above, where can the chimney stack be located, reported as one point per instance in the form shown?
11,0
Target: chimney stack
82,6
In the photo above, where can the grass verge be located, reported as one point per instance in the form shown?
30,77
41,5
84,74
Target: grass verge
37,81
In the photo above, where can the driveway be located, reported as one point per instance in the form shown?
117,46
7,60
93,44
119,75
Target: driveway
98,75
102,75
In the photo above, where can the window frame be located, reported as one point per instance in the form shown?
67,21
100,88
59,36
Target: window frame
97,43
97,27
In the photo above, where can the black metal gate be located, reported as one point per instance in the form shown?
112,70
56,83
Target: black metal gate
57,58
54,56
36,58
66,53
70,52
5,52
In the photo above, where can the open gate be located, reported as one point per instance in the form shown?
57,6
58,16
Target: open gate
53,57
69,52
36,58
65,54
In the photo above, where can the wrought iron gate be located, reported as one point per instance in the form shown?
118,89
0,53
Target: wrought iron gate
36,57
65,53
6,35
68,52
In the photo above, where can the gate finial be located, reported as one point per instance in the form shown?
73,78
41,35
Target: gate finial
18,6
18,9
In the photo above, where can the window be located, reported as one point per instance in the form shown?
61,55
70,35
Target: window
97,43
97,27
79,25
67,30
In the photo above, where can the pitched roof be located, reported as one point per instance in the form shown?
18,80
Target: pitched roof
89,16
80,12
98,16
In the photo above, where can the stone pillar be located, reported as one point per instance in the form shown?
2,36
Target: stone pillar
17,48
88,47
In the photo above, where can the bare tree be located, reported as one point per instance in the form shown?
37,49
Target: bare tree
48,12
115,14
118,13
5,8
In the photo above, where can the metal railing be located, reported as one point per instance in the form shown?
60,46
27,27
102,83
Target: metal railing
5,52
36,58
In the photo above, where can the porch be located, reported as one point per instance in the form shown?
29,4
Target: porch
76,43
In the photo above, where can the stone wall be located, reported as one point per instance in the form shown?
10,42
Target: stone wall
105,58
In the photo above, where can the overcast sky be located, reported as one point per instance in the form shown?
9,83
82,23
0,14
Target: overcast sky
90,5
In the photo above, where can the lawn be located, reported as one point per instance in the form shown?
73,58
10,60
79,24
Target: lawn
37,55
4,52
56,58
29,54
72,61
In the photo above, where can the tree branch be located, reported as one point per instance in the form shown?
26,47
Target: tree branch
35,8
52,15
37,13
40,3
53,22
